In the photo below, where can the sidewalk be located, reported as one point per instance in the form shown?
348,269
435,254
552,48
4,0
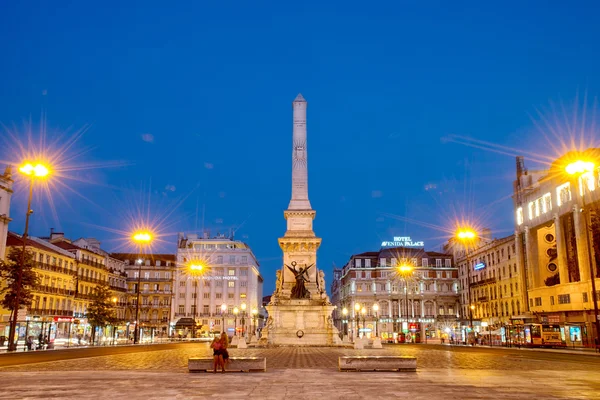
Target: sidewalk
577,350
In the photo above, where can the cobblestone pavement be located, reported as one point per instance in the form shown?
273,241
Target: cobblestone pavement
299,373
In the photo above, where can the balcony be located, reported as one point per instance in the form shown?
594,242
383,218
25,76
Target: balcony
54,312
89,279
84,296
118,289
482,298
52,290
53,268
92,263
144,280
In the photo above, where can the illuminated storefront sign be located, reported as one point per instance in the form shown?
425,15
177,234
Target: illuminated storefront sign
402,241
479,266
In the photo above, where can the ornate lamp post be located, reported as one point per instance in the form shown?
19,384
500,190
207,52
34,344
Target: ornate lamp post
33,172
114,301
375,309
405,271
357,315
223,309
467,237
364,314
345,314
243,306
141,238
235,312
254,316
195,271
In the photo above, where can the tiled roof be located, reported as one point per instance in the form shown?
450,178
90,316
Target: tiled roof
14,240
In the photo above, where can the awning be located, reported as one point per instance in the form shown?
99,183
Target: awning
183,323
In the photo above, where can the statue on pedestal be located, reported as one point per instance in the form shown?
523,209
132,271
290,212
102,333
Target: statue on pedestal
299,290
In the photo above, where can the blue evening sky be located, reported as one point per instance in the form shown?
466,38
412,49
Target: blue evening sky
195,99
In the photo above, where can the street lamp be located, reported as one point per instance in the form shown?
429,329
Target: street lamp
235,312
141,238
254,317
345,314
357,314
364,313
581,168
405,270
114,301
375,309
223,309
243,306
467,237
33,172
195,271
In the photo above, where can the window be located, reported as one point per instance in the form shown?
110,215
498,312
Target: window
425,262
382,262
231,272
244,272
231,259
585,297
219,283
205,309
206,283
531,209
520,216
157,275
563,194
242,295
244,259
207,295
217,295
219,259
357,263
167,275
243,284
217,322
182,284
230,295
182,295
448,262
181,309
368,263
564,298
414,261
146,275
438,262
586,183
538,301
231,284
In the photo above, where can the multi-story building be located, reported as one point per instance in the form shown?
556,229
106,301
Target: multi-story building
558,230
491,288
230,277
117,277
423,305
6,191
51,312
153,274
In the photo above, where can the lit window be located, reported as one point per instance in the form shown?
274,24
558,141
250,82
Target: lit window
231,272
520,216
531,209
563,194
586,181
425,262
382,262
546,203
231,284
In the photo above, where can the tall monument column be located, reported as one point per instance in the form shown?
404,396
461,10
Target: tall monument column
300,310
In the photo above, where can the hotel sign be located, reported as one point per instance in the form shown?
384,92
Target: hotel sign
402,241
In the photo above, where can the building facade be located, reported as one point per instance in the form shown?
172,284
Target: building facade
154,275
424,305
230,277
557,240
490,287
6,191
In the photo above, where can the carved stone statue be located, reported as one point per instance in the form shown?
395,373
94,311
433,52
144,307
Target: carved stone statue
322,281
278,282
299,290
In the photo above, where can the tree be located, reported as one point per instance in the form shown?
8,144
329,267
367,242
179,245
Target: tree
101,310
9,272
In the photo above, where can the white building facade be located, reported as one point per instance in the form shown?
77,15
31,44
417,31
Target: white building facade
6,191
230,277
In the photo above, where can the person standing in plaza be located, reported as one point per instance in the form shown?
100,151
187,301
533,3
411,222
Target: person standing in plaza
217,355
224,353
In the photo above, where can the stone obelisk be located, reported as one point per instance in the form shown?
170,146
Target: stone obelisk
300,310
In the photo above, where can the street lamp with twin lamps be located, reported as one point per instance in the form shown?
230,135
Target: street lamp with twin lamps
357,315
243,307
580,168
345,314
33,172
254,317
141,238
223,309
363,311
235,313
405,271
375,309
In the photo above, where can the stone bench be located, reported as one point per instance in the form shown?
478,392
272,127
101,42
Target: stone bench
245,364
378,363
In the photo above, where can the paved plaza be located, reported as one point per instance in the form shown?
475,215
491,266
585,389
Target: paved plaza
444,372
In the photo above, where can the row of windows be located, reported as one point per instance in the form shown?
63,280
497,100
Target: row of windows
543,204
217,295
217,259
562,299
230,284
358,262
217,310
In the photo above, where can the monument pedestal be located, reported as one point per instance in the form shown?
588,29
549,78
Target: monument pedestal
300,322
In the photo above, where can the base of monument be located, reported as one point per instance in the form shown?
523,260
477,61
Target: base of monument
300,323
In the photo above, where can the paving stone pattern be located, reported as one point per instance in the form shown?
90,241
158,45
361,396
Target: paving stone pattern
301,373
